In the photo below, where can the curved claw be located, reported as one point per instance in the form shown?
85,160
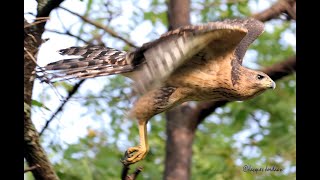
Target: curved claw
133,155
132,150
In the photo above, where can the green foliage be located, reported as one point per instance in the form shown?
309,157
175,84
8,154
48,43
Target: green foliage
211,10
95,158
38,104
65,85
154,17
89,160
270,42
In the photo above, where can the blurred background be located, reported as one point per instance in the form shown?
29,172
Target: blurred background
83,125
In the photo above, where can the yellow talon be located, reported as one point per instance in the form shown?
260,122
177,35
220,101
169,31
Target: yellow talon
134,157
137,153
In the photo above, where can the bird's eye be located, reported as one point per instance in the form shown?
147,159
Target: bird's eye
260,77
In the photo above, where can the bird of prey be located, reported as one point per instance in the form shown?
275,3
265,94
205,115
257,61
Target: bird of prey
191,63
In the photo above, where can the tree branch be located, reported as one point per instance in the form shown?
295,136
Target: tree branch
44,9
276,72
106,29
31,168
282,6
133,176
279,70
46,6
33,152
70,94
69,34
37,21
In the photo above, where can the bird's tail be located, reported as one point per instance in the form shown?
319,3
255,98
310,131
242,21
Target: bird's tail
92,61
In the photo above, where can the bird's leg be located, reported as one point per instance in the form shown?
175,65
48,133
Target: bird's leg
150,104
137,153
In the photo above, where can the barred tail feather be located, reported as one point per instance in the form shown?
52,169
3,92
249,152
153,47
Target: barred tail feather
94,61
83,73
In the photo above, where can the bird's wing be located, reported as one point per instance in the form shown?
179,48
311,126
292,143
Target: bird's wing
255,29
91,61
164,55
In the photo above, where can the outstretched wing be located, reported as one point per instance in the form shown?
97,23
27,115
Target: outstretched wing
94,61
163,56
155,61
255,29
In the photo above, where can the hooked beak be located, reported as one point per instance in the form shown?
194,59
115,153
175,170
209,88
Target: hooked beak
273,85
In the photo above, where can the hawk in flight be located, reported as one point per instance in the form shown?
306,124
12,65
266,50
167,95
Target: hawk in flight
191,63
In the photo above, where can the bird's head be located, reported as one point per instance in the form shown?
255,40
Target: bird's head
253,83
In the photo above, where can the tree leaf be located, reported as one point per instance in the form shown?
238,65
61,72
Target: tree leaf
39,104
